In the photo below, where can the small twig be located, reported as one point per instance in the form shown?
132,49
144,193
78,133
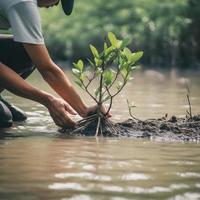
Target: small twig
188,99
190,107
130,112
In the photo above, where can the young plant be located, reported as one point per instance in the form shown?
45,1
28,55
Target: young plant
130,108
112,68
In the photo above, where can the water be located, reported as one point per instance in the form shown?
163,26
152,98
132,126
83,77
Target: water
36,162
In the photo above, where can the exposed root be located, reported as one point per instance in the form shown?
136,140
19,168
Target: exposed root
95,125
172,129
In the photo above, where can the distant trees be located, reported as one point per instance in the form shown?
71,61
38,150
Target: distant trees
167,31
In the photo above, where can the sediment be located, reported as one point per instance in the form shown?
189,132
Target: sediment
177,129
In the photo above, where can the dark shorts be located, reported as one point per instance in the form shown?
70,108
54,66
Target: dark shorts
13,55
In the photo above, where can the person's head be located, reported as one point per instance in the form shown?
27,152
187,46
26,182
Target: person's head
67,5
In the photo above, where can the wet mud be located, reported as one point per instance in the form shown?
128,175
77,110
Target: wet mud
177,129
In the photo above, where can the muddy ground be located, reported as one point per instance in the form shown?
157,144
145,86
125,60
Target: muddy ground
176,129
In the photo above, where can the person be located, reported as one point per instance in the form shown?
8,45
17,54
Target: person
21,53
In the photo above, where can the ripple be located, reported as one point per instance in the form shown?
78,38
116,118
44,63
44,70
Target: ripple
179,186
84,175
188,174
78,197
89,167
112,188
67,186
156,189
182,162
197,185
135,176
186,196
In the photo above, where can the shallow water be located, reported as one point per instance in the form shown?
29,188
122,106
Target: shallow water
36,162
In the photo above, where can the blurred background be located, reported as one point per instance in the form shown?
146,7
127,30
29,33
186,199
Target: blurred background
168,31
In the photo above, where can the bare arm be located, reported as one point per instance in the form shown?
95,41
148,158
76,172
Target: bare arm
55,77
14,83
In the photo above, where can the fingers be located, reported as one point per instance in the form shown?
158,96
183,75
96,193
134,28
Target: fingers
109,115
69,109
62,119
65,119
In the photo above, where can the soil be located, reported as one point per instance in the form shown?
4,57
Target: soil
181,129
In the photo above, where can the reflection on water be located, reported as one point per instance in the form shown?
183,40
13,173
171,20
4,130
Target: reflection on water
55,168
48,166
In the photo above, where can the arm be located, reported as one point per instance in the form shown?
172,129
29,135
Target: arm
55,77
14,83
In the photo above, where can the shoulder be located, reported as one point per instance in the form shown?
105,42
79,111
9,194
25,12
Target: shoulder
7,4
25,22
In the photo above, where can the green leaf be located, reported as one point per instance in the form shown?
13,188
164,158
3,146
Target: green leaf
76,72
136,56
119,85
119,43
133,67
98,71
82,77
108,77
79,83
94,51
98,62
97,91
112,38
106,98
105,46
124,73
91,63
80,64
125,43
109,50
129,77
127,52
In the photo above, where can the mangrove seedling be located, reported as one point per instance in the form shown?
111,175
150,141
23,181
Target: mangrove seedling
130,110
112,68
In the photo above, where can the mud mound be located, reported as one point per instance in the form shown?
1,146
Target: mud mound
172,129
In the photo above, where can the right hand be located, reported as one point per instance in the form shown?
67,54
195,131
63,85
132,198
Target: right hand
93,109
60,111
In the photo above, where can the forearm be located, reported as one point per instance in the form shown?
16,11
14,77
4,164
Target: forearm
15,84
56,78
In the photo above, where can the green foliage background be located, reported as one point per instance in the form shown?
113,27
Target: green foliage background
168,31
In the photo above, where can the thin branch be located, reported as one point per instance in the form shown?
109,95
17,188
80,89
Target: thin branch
86,89
188,99
190,107
111,101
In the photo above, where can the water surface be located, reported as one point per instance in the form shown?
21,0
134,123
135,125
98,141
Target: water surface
36,162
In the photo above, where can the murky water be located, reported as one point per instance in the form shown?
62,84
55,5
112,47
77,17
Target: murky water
36,162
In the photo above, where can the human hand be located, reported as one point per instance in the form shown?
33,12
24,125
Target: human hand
93,109
60,111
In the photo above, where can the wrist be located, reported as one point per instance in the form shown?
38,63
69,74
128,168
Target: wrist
83,110
46,99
